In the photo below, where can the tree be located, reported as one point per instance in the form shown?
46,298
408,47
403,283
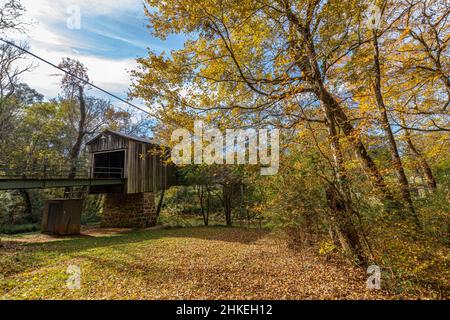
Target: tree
202,177
261,57
84,115
306,64
73,84
11,91
230,180
10,13
427,23
385,124
423,163
28,96
14,96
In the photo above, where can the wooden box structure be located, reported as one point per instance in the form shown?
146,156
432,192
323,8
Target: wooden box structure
140,162
62,216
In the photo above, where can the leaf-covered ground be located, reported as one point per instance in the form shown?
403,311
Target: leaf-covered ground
187,263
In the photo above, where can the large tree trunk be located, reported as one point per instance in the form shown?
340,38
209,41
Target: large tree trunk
76,148
208,200
426,169
227,197
339,200
28,205
312,73
368,165
340,203
160,203
344,228
396,160
201,196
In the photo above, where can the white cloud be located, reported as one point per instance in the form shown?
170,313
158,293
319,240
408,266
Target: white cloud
58,9
110,74
53,45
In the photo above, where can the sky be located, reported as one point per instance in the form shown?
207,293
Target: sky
109,37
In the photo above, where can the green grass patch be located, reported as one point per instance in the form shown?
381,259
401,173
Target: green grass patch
20,228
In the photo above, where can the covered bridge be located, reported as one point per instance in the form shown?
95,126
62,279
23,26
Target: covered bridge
144,168
142,163
127,169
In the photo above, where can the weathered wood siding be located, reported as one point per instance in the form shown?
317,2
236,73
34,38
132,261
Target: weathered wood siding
109,143
62,216
147,169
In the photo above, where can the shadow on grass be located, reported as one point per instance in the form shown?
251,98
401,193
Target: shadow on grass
28,256
218,233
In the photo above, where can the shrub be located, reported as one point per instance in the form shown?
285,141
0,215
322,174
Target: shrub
20,228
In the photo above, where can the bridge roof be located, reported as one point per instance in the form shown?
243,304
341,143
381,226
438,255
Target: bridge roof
121,134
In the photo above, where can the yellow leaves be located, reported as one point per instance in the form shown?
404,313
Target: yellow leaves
404,33
235,112
439,147
326,247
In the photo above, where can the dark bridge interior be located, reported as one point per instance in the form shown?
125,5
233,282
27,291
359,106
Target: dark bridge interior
109,164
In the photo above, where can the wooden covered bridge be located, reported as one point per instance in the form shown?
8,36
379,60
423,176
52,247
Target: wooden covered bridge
127,169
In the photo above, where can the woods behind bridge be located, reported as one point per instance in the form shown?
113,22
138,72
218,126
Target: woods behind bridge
363,112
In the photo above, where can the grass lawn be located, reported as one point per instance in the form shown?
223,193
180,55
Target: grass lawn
183,263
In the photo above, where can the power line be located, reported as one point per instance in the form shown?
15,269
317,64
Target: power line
74,76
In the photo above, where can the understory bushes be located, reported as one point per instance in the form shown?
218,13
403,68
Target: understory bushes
414,263
14,209
19,228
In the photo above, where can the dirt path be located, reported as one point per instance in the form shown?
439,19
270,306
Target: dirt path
86,231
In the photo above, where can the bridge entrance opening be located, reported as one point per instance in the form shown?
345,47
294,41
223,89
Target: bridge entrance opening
109,164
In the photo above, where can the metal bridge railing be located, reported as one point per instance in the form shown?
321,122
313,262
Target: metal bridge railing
46,173
106,172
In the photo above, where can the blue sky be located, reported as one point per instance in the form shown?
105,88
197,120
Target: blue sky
112,34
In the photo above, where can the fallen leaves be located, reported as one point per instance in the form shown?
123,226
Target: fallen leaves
189,263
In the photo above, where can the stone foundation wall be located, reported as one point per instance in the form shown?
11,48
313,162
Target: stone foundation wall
129,210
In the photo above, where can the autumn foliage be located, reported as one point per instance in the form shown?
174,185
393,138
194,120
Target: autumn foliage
361,99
